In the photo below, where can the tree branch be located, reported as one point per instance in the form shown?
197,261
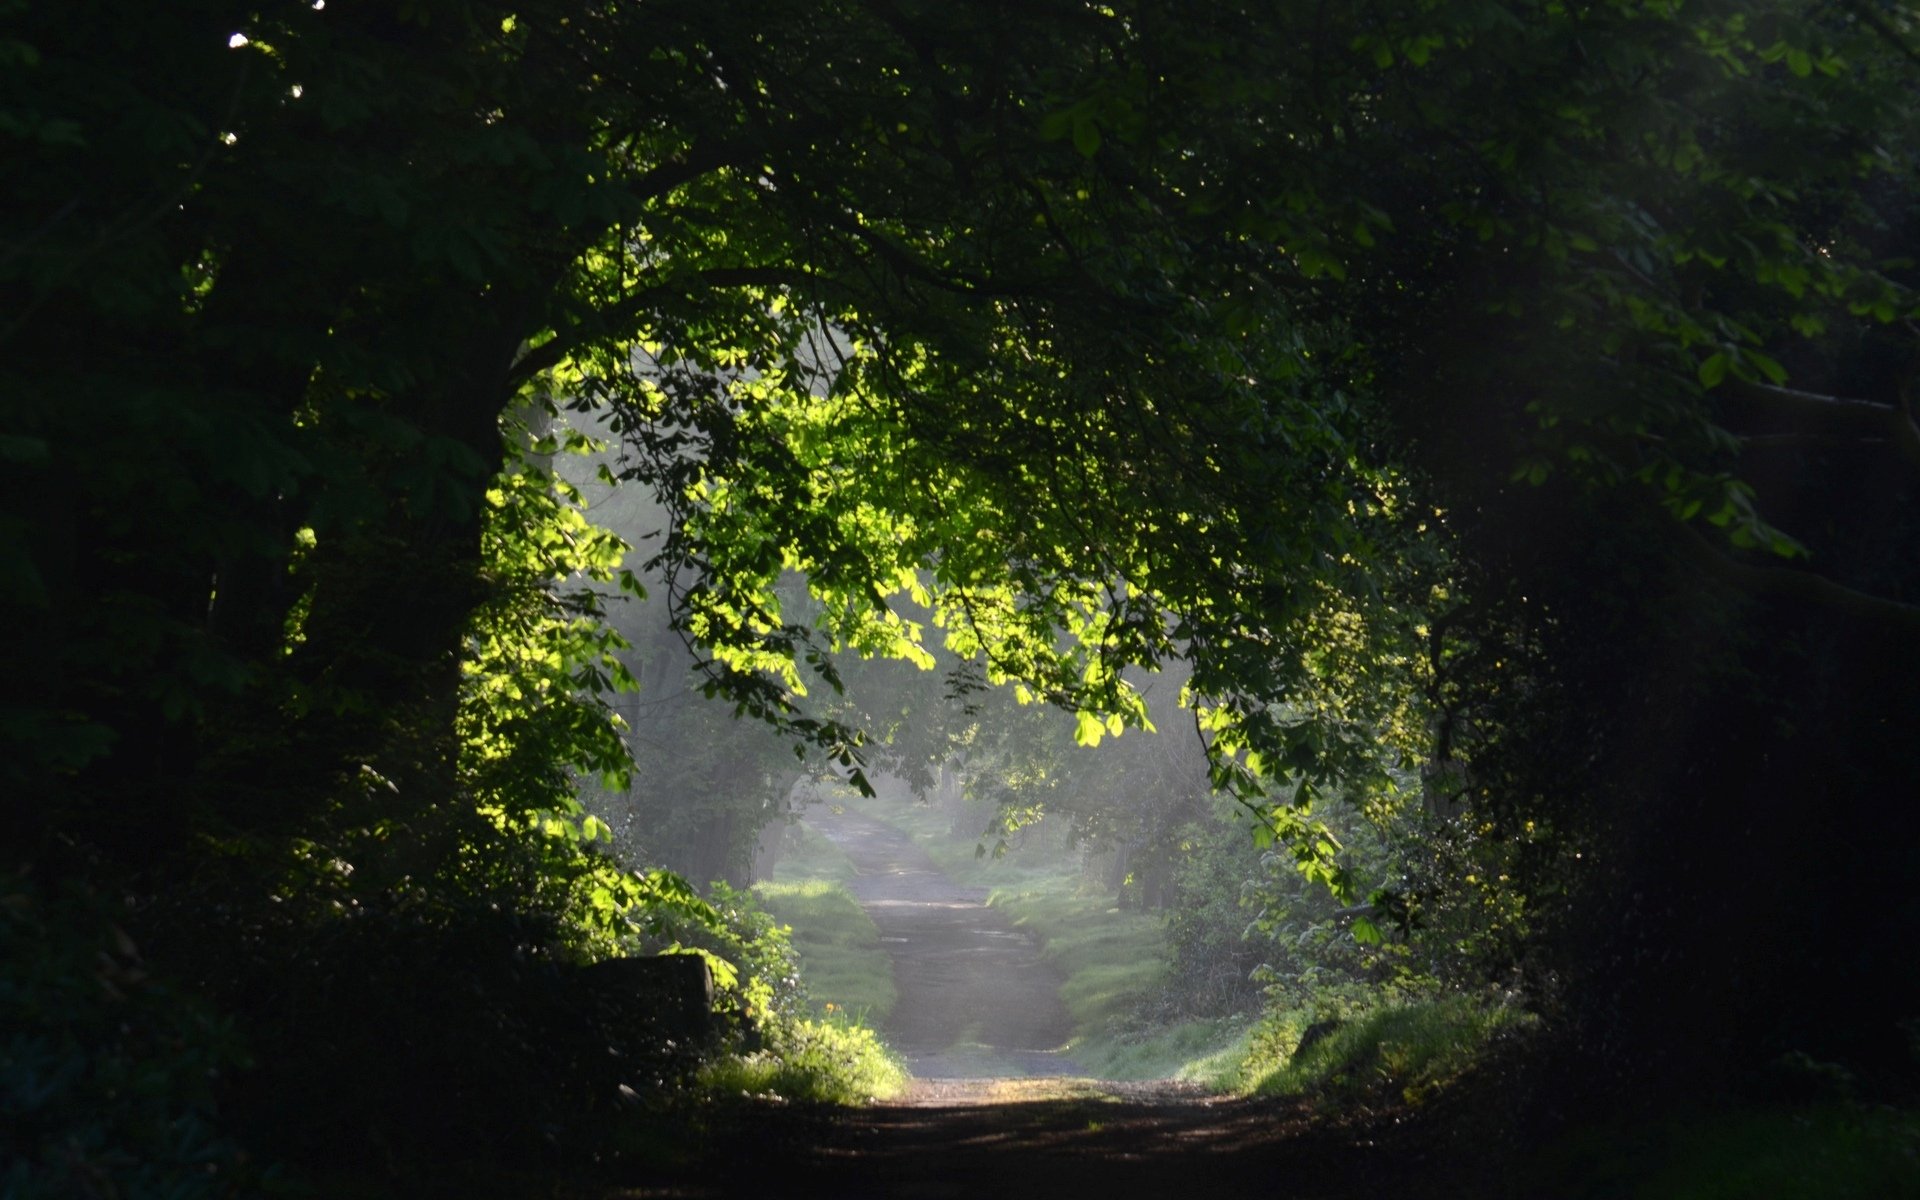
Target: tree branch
1886,420
697,162
1893,616
1891,36
631,309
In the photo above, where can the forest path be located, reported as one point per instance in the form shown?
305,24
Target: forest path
994,1111
976,1000
1094,1144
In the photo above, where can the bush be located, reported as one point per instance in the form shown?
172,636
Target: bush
828,1061
107,1075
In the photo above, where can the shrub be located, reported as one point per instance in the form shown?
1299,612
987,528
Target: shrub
107,1075
828,1061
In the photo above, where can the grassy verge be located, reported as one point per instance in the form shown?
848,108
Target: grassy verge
842,964
835,1060
805,856
1409,1050
1828,1152
833,1057
1114,961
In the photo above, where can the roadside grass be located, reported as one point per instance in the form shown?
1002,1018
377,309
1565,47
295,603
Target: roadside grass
834,1057
842,964
806,856
1410,1050
1114,961
1189,1050
1834,1151
833,1060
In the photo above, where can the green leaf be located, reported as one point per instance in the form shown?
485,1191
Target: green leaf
1713,370
1774,372
1088,729
1086,136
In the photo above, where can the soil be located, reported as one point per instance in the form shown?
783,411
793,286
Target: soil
976,1000
1055,1139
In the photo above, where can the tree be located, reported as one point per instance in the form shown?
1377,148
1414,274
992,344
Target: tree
1460,355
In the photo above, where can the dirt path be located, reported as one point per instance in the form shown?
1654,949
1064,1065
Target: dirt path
1062,1147
995,1112
976,999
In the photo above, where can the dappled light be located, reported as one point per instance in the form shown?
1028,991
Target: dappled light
882,598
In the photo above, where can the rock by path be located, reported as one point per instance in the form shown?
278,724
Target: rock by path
975,998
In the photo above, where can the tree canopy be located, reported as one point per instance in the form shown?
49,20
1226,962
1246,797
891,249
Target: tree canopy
1498,393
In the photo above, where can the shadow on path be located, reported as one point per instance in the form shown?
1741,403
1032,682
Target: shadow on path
1172,1148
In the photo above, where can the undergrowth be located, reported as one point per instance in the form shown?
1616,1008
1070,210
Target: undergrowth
1405,1050
842,965
1830,1151
107,1075
833,1060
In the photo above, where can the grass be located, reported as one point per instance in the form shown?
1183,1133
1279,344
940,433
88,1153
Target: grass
1114,961
1828,1152
842,964
1188,1050
1409,1050
835,1058
806,856
1115,964
828,1061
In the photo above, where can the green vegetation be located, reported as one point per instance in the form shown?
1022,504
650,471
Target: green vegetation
1404,1050
1487,426
807,857
826,1061
842,964
104,1070
1825,1152
1114,961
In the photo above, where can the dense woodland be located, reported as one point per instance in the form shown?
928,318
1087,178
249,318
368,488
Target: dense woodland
1477,435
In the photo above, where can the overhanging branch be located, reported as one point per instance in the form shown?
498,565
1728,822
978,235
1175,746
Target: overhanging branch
1863,417
1804,586
633,308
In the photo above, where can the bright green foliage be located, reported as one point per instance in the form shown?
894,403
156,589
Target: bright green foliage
824,1061
1406,1050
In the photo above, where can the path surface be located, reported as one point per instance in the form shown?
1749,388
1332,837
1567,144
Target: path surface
1063,1148
976,1001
